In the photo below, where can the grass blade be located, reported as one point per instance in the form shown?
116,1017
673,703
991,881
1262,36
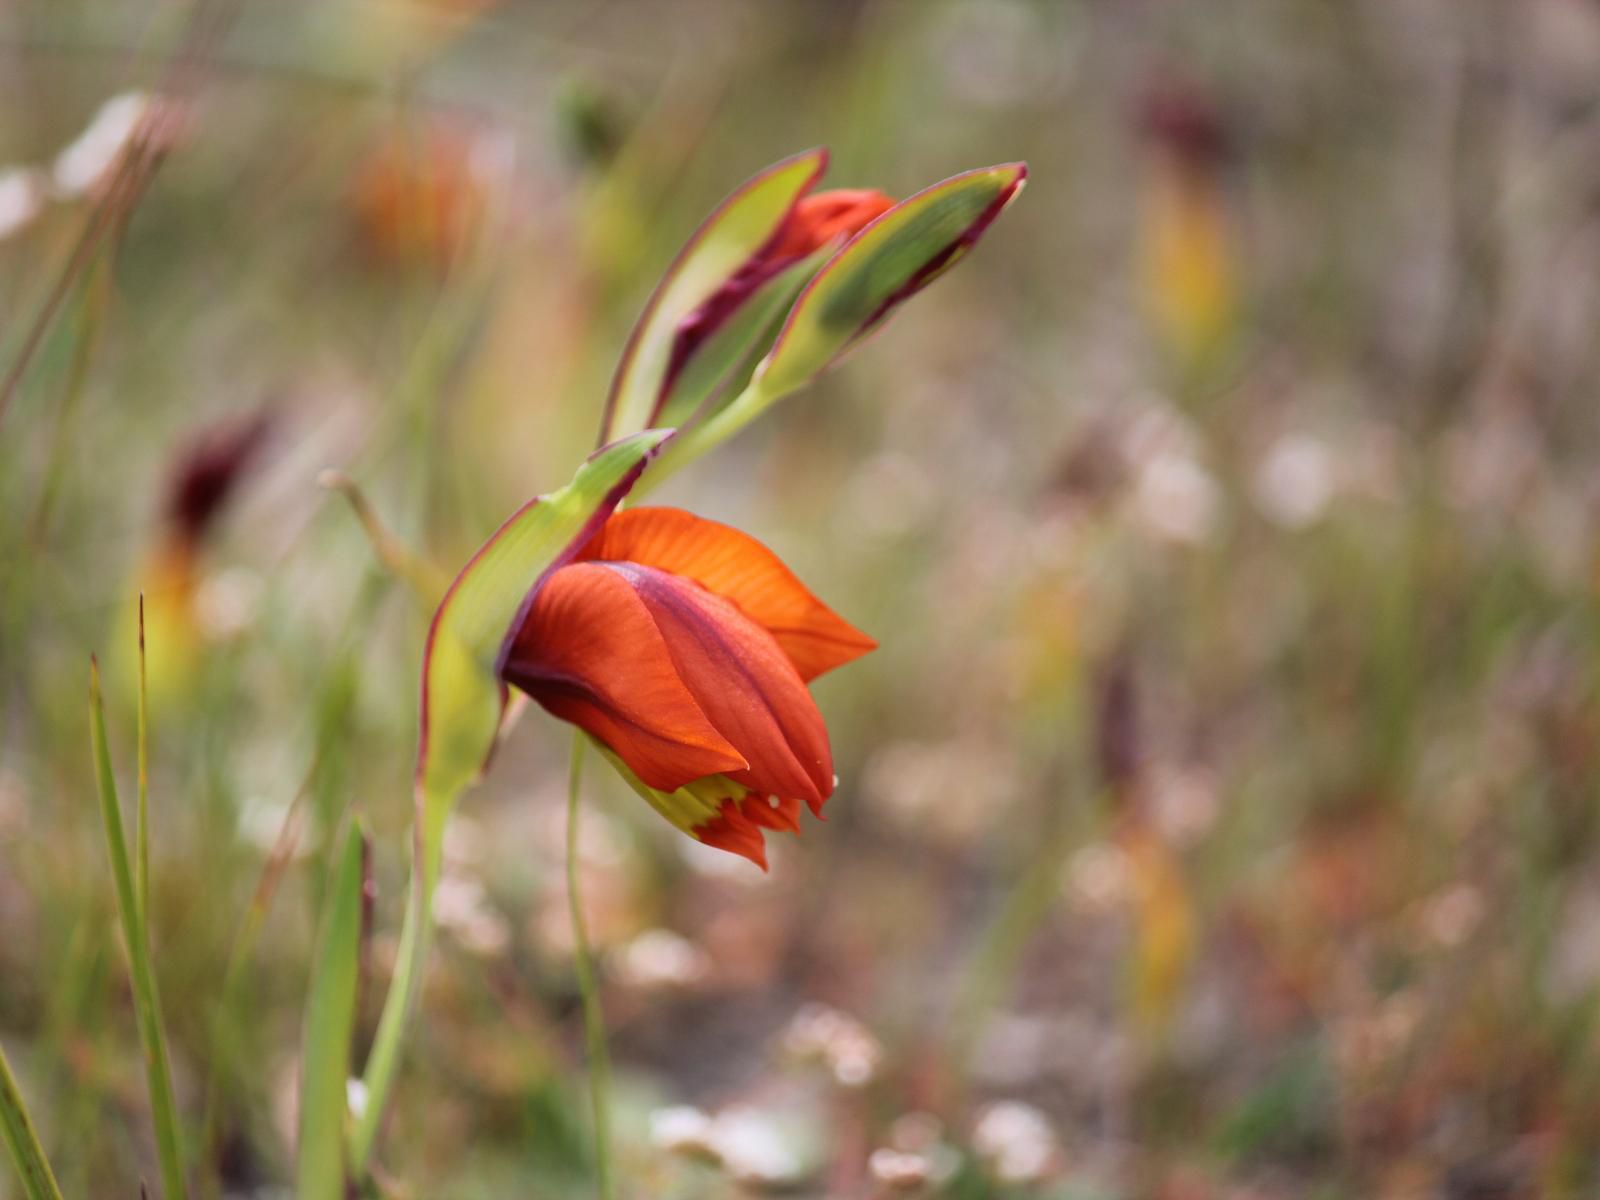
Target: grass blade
330,1022
141,826
16,1128
146,1001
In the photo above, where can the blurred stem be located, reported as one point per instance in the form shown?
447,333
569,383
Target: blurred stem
16,1128
141,828
594,1019
1000,947
90,320
333,704
416,935
426,581
123,192
224,1052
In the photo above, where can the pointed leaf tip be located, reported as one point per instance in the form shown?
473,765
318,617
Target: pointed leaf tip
884,265
726,240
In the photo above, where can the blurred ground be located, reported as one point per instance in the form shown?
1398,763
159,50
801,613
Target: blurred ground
1218,818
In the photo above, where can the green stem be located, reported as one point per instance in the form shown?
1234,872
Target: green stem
594,1018
141,826
146,997
16,1129
416,935
999,949
698,438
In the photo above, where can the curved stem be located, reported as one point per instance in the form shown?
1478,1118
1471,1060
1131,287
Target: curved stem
594,1020
701,436
416,935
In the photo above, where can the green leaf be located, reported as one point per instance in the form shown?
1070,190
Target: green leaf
462,696
330,1022
715,362
463,703
739,227
885,264
16,1129
135,934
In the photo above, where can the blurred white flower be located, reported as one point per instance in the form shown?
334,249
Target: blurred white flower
461,905
465,842
22,196
355,1097
1183,802
916,1154
758,1148
1176,500
1097,877
685,1130
261,823
925,789
1294,482
659,959
1017,1140
93,155
753,1147
841,1043
226,603
899,1170
1450,917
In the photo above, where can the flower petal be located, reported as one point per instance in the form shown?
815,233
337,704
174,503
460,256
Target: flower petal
208,471
823,216
740,569
717,811
590,653
463,700
744,682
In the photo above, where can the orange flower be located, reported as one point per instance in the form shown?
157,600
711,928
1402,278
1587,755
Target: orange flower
818,219
419,196
684,647
202,479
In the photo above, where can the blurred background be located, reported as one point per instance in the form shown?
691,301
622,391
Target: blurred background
1218,818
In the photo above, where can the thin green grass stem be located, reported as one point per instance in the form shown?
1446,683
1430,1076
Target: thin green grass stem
16,1128
594,1019
416,936
146,998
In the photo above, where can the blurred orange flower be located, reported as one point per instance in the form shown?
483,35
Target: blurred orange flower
202,479
1188,243
420,194
684,647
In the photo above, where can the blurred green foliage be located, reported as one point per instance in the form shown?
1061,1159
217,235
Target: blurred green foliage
1223,789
